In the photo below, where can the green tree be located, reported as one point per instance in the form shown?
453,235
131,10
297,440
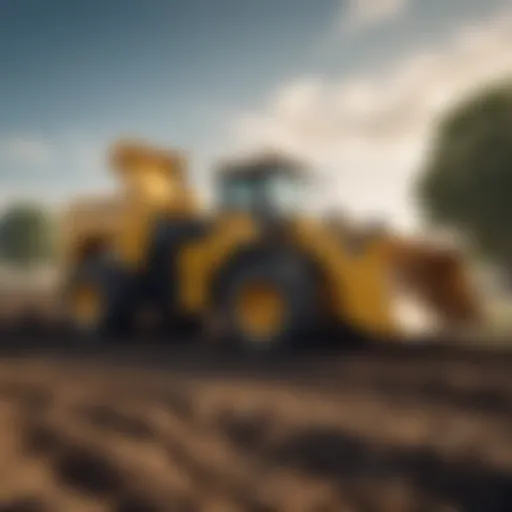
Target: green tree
26,235
467,182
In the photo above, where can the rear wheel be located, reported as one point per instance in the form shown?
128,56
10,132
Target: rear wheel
86,303
100,300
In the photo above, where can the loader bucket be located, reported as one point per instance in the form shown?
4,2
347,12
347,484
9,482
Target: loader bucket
439,277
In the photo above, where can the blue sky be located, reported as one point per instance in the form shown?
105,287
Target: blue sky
76,75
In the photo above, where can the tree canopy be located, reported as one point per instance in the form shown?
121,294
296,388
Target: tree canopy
467,182
26,234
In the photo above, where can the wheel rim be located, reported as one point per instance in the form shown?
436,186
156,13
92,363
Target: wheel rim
260,311
86,306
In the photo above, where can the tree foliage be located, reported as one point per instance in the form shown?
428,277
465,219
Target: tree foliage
26,234
467,182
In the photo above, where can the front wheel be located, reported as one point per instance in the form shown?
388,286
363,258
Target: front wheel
268,305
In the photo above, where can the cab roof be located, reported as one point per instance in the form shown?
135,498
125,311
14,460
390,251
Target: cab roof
261,165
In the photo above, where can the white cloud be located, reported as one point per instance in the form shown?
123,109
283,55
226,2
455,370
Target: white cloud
359,14
370,133
70,165
52,196
26,150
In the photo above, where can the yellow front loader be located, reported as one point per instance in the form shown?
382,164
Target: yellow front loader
255,272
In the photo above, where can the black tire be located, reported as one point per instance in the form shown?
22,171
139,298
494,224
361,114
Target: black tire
119,293
299,287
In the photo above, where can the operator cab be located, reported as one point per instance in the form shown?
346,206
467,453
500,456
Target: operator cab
268,186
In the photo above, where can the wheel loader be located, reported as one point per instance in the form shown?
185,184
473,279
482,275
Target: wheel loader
255,272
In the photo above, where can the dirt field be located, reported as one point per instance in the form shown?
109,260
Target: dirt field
164,430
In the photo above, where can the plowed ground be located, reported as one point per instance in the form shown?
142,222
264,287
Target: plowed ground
159,429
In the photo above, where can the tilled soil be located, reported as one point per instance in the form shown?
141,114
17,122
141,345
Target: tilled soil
133,429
